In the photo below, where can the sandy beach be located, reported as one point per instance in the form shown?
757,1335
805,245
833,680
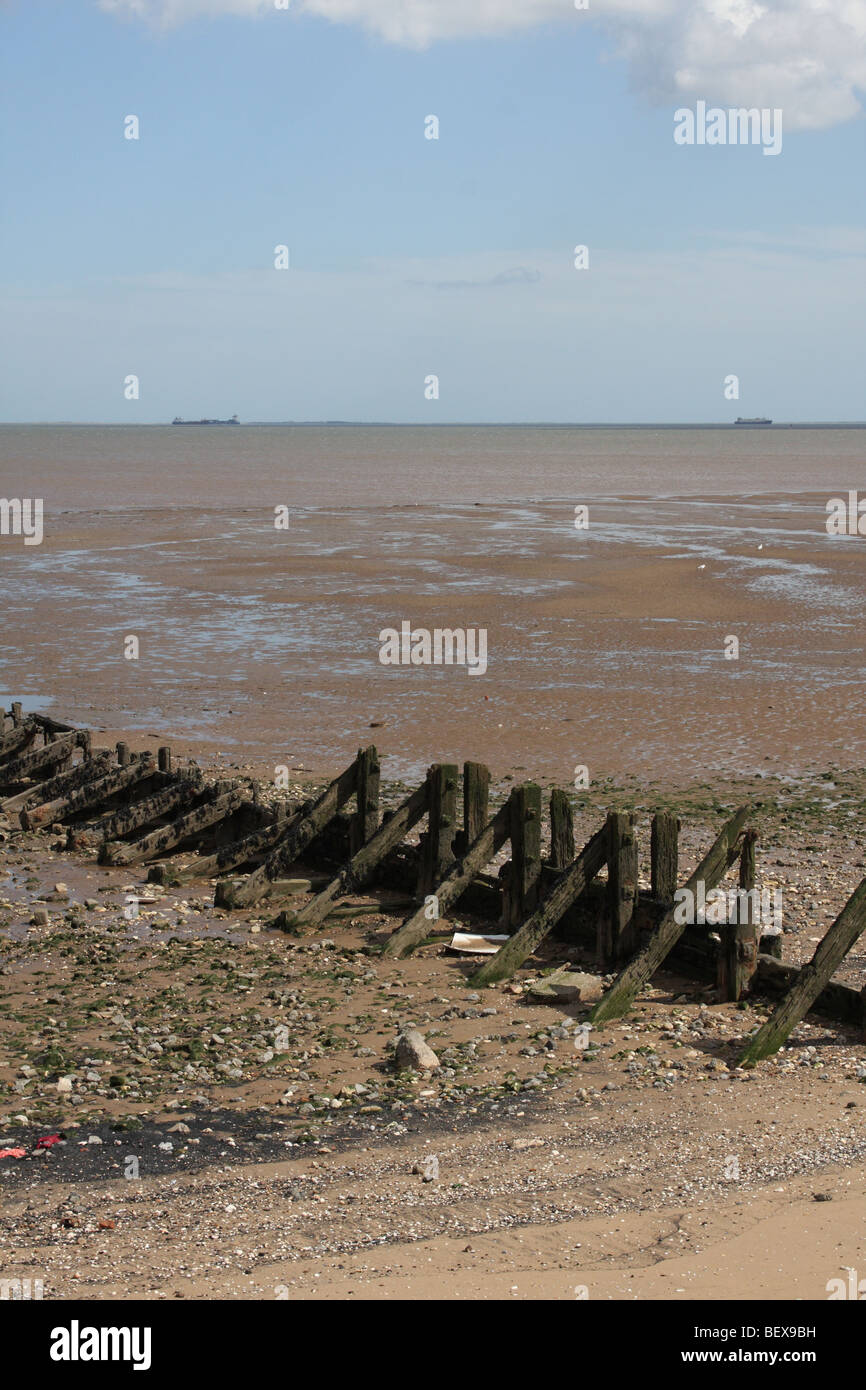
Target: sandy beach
650,1166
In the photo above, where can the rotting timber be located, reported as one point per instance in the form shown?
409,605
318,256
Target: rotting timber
137,809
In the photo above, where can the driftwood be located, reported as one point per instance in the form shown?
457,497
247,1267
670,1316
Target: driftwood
491,839
643,966
181,828
812,979
91,794
564,892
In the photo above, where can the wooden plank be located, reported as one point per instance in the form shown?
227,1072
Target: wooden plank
86,771
365,821
643,966
476,802
564,892
437,845
232,855
91,794
812,979
561,830
27,765
664,852
295,841
491,839
182,828
19,736
177,792
360,867
836,1000
737,959
57,726
525,803
617,935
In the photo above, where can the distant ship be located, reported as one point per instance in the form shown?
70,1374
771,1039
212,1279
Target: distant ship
178,421
756,420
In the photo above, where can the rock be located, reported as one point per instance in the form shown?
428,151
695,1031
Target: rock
526,1143
568,986
412,1053
40,917
64,1086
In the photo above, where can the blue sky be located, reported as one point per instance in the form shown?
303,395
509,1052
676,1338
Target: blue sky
411,256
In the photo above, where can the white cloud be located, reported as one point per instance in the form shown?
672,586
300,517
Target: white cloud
806,56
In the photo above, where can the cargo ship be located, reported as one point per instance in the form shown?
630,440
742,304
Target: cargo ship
756,420
178,421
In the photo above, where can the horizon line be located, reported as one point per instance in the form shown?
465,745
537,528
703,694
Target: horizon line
445,424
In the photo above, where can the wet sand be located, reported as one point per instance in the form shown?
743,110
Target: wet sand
606,647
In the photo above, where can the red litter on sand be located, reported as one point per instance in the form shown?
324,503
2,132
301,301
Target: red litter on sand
48,1140
13,1153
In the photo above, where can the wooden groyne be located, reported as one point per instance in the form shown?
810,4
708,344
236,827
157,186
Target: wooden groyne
138,809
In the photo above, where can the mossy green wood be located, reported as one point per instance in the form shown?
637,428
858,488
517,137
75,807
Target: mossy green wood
491,839
561,896
811,980
91,794
354,874
643,966
292,844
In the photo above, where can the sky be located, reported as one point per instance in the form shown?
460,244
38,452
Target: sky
411,258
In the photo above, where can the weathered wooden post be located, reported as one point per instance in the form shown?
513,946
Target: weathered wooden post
617,935
664,852
164,758
525,823
737,959
123,755
828,956
476,798
561,830
17,716
365,821
437,852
